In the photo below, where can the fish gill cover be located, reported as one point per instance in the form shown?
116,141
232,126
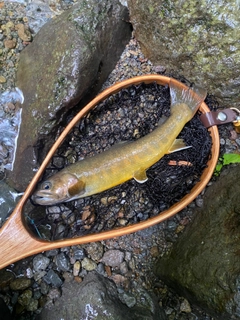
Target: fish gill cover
125,116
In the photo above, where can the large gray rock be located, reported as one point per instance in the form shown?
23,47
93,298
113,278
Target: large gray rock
69,59
204,264
199,39
97,298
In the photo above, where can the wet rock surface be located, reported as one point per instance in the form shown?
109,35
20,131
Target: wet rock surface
97,298
8,201
75,53
200,39
204,264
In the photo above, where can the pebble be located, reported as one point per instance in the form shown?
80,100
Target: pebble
29,273
76,268
95,251
128,299
199,202
20,284
25,297
123,267
185,306
40,262
23,33
2,79
32,305
5,278
51,253
44,287
78,253
10,44
100,268
154,251
113,258
62,262
89,264
52,278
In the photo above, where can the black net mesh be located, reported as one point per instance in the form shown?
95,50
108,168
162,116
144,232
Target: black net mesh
127,115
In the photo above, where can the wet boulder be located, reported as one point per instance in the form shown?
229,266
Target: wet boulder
67,63
97,298
197,39
204,264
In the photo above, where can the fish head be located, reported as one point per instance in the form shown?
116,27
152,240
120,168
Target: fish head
61,187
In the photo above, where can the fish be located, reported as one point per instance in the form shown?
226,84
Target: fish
124,161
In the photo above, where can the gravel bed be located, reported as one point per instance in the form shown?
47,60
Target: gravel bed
36,281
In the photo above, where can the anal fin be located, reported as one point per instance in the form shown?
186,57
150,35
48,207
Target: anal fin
140,175
178,145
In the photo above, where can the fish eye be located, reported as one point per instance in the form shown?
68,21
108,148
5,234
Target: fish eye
46,185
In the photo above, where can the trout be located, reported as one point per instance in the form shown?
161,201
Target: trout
123,161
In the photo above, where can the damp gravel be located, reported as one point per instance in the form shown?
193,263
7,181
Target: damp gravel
30,284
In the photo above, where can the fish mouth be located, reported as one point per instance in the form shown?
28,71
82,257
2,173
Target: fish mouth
45,199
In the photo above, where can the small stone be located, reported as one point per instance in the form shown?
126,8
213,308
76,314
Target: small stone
95,251
159,69
88,264
10,44
32,305
51,253
37,294
128,299
52,278
62,262
20,284
39,275
44,288
180,228
108,271
118,279
25,297
108,200
199,202
171,226
2,79
76,268
40,262
100,268
79,253
9,25
154,251
23,33
185,306
5,278
123,267
78,279
113,258
123,222
29,273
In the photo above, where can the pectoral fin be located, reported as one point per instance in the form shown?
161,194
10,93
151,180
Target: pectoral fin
77,189
140,176
178,145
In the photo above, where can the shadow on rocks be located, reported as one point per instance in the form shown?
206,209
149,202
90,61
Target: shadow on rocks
97,298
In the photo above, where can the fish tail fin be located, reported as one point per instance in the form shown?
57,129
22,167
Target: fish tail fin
193,97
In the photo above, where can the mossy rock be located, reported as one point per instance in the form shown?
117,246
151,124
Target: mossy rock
204,264
197,39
